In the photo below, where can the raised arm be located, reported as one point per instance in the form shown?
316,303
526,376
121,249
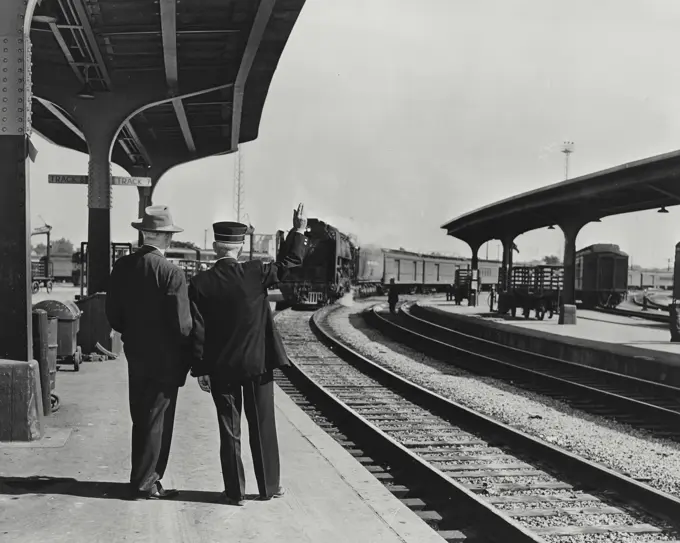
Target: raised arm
292,253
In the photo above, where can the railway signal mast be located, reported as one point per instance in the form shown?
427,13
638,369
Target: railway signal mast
567,149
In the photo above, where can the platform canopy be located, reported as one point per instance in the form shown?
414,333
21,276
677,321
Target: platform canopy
645,184
182,49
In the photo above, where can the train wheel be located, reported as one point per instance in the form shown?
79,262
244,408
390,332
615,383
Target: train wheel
35,287
54,401
48,286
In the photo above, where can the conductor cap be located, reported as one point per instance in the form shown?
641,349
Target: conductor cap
230,232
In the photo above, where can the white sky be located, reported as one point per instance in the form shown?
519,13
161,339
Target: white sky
390,117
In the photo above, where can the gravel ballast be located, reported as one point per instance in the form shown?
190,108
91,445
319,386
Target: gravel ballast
619,447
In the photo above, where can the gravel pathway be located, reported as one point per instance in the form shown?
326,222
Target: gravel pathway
622,448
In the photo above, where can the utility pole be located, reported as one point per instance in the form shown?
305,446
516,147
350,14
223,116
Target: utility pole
205,239
567,149
239,185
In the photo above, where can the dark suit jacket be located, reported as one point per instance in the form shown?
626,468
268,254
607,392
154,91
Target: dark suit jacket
234,335
148,303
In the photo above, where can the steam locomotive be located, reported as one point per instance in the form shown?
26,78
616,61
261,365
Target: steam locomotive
334,264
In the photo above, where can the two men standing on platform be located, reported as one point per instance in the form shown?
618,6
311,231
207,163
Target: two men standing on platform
222,328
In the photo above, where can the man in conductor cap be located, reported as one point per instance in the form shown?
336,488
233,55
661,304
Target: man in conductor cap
148,303
237,348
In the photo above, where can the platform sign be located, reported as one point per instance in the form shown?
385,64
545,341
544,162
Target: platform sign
82,180
67,179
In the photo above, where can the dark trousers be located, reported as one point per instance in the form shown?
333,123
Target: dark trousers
393,306
257,397
152,408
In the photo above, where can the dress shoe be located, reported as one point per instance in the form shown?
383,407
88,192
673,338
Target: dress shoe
223,498
157,492
280,492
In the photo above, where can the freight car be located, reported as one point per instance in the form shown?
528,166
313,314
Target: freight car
327,270
601,275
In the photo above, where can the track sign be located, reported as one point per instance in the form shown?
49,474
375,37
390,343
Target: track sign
131,181
82,180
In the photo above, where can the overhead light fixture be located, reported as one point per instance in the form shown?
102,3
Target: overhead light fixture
47,19
86,93
46,12
663,210
551,227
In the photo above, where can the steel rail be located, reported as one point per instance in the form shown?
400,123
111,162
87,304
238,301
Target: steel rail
449,344
589,474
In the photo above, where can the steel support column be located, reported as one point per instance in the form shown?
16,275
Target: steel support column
99,213
568,299
15,228
21,409
144,202
508,244
474,261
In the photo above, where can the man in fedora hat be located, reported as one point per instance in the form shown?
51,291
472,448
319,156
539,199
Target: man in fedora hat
147,302
237,347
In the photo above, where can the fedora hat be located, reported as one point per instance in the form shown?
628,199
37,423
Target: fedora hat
157,219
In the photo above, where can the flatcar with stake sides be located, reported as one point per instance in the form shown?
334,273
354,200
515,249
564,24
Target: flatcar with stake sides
601,281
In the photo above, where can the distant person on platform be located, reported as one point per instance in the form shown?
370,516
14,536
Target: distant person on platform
148,303
393,297
237,348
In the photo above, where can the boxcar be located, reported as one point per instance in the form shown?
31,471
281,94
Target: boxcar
405,268
601,275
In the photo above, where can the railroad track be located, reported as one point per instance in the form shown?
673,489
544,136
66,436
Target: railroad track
651,315
473,478
643,404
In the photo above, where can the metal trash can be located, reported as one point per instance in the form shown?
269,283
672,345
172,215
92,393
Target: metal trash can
96,328
68,324
52,349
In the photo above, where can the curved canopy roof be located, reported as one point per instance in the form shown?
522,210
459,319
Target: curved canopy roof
111,46
644,184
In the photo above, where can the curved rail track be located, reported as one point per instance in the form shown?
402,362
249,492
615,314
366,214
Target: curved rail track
481,479
644,404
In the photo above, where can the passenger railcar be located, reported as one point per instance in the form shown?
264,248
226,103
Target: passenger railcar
601,275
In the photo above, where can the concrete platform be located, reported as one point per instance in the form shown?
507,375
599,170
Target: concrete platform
77,495
628,345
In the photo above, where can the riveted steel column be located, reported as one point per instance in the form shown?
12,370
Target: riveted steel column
144,202
21,410
568,299
15,127
99,217
508,244
474,261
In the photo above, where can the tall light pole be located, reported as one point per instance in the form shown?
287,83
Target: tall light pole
567,149
239,188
